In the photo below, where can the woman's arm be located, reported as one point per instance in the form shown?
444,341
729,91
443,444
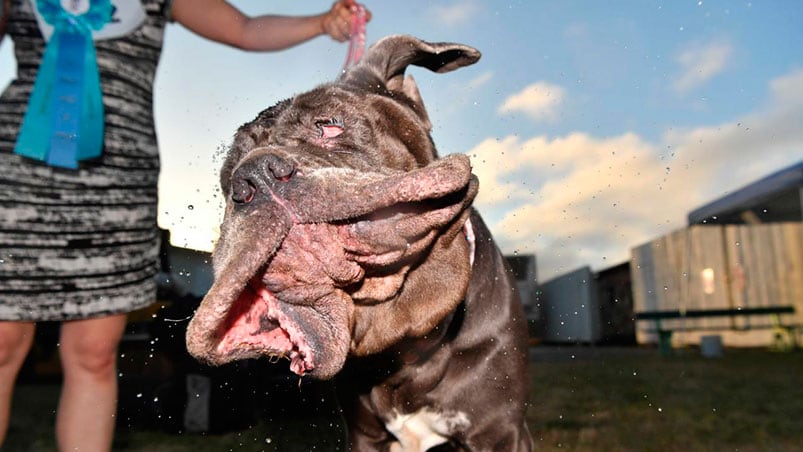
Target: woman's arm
5,11
221,22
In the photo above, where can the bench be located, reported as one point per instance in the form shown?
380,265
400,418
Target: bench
785,337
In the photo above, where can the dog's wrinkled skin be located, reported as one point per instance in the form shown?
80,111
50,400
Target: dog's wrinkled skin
345,236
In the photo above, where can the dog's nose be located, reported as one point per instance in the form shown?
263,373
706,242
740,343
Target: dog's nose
281,169
242,191
258,173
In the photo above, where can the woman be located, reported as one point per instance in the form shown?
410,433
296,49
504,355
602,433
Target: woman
80,245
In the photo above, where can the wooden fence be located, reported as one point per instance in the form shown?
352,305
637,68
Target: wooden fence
720,266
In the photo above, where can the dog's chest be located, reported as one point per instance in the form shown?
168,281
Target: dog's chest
425,428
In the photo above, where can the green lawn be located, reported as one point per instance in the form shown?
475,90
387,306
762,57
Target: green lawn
750,400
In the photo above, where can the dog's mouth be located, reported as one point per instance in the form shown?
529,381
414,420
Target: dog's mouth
257,325
280,304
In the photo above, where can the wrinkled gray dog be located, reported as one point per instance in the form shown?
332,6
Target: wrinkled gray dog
351,249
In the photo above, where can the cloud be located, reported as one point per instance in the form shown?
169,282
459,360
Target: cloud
574,200
455,14
581,200
753,145
478,81
700,63
539,101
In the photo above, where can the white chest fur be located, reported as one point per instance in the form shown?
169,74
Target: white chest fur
417,432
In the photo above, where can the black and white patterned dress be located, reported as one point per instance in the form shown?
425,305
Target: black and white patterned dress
83,243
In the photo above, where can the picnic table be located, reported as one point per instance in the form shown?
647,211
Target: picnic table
784,338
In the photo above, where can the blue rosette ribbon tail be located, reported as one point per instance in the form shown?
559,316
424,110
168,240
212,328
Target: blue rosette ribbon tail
64,119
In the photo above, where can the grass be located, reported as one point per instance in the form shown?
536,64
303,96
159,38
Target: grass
749,400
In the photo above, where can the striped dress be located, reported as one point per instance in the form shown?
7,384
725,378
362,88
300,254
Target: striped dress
84,243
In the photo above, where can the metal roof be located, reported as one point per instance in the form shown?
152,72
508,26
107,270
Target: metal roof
752,195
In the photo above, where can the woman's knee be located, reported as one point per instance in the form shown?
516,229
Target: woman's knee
15,342
90,346
87,356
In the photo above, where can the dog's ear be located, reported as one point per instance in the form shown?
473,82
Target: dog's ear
315,198
417,270
386,61
410,89
404,293
390,237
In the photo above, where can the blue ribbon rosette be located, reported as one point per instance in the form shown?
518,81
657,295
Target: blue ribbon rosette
64,120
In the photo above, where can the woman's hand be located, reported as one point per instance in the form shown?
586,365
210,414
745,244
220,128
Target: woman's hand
337,22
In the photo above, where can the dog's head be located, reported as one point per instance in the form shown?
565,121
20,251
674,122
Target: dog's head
342,229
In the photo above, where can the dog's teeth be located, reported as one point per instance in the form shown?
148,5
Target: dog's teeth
274,358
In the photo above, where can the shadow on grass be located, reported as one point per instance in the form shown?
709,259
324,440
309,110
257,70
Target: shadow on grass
748,400
292,418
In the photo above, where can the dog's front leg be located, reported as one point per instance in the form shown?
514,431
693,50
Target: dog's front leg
366,432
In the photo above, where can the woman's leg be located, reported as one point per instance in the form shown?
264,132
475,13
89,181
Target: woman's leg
88,405
15,342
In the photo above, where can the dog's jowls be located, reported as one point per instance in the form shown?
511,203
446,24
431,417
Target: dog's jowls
351,249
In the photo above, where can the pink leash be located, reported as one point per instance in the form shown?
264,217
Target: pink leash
357,38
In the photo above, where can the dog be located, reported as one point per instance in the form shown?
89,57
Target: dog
349,247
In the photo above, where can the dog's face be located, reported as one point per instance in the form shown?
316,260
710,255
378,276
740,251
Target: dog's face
342,230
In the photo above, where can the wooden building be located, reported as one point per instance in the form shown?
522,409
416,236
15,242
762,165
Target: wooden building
720,267
744,250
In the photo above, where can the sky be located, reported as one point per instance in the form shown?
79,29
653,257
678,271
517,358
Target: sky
593,127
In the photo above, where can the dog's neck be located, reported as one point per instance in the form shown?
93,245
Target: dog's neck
414,350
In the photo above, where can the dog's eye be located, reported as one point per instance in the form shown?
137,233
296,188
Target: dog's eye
329,128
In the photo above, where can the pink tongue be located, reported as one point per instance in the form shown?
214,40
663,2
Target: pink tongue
248,333
245,330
